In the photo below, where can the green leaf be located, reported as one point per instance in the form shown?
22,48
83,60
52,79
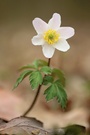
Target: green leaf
59,74
47,79
21,77
50,92
61,94
36,79
46,70
27,67
36,64
56,90
40,63
75,130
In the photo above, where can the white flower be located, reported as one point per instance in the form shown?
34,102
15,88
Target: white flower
51,35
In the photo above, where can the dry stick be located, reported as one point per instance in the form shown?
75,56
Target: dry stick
36,96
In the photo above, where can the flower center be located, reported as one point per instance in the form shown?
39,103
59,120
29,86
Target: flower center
51,36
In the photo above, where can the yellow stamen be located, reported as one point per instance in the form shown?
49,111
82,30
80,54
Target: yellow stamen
51,36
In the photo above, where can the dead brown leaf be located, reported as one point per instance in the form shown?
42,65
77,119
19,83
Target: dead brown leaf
23,126
26,126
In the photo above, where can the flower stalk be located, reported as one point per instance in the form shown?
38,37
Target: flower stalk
36,96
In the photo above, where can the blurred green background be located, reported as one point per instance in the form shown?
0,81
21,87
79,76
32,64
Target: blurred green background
16,49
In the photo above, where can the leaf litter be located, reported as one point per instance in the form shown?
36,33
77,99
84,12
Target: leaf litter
31,126
23,126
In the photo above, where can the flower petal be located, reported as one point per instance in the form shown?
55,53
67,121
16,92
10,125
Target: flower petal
48,50
62,45
38,40
55,21
66,32
39,25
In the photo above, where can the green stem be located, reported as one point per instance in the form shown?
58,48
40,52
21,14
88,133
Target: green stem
36,97
49,61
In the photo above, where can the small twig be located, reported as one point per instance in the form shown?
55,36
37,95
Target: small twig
36,96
